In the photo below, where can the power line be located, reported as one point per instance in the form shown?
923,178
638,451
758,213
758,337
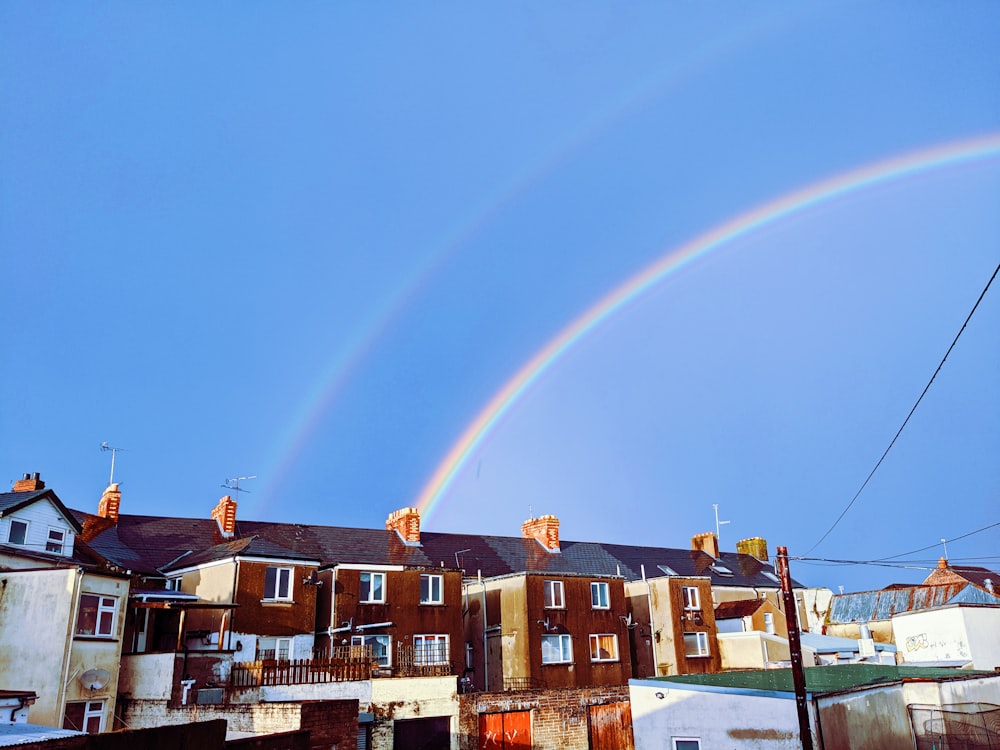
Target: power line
905,421
932,546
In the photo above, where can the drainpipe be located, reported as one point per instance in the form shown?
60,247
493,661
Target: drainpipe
69,639
486,666
652,632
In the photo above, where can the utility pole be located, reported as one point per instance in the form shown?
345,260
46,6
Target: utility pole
795,649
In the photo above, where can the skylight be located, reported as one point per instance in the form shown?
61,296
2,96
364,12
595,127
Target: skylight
667,570
721,569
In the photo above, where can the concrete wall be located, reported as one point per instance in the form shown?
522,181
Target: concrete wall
874,717
719,719
932,635
411,698
965,690
39,649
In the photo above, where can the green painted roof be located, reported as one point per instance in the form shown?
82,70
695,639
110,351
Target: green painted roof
827,679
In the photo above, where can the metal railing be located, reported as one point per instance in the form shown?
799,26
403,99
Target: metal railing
959,726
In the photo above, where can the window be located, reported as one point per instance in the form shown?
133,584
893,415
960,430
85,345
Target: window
372,588
667,570
691,598
696,644
278,584
430,649
722,570
84,716
769,622
686,743
283,648
770,576
604,647
554,595
379,644
431,589
97,615
18,531
557,649
55,542
599,595
468,654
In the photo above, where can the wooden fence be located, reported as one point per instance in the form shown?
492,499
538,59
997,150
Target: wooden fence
347,663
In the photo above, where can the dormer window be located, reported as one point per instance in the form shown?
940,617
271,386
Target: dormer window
18,532
56,541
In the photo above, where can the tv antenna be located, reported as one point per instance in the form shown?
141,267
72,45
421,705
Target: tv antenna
234,484
718,523
106,447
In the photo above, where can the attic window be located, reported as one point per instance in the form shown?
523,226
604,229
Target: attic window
55,541
722,570
667,570
771,576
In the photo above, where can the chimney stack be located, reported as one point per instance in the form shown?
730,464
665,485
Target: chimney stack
707,542
406,523
544,530
225,515
755,546
110,502
29,483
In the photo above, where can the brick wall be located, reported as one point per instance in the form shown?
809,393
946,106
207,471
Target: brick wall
332,723
559,718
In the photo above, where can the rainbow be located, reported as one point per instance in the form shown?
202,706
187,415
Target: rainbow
815,194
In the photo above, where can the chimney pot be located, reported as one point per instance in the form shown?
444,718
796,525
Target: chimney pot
544,530
755,546
29,483
406,523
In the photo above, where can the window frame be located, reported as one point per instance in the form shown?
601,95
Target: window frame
371,588
675,740
565,648
596,601
432,578
56,546
279,572
557,602
384,662
88,713
595,639
701,642
24,535
106,605
692,598
437,647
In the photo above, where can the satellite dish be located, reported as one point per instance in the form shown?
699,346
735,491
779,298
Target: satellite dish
95,679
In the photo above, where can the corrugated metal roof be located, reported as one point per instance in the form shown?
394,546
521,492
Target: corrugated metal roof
867,606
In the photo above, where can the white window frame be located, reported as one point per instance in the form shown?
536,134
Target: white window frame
10,532
692,598
431,648
280,573
600,595
595,640
371,638
701,643
371,588
555,597
106,605
675,740
91,710
56,546
564,649
434,581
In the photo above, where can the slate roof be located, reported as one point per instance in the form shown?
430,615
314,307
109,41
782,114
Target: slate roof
865,606
819,680
978,576
737,609
145,544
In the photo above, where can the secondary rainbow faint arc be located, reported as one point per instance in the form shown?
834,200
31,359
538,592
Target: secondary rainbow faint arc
817,193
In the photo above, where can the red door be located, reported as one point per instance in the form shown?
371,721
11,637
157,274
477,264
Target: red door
611,727
506,731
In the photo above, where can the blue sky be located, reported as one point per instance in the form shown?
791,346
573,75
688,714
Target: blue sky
309,243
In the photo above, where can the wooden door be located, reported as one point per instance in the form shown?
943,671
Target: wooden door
611,727
505,731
